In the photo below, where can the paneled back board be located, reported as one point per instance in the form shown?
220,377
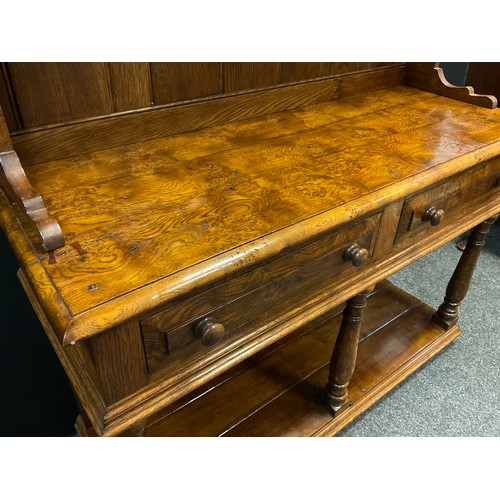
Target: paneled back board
36,94
59,110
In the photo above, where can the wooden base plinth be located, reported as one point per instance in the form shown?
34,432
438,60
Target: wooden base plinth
274,393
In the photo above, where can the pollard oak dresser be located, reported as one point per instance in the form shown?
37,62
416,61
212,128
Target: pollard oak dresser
207,244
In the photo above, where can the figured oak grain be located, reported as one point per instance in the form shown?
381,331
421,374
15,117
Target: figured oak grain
160,223
208,191
448,196
183,377
41,145
256,298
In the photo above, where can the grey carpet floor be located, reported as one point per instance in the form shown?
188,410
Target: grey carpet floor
456,393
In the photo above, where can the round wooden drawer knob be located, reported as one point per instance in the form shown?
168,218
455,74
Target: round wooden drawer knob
433,215
209,331
356,254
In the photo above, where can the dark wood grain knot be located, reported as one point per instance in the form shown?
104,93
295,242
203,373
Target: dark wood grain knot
433,215
209,331
356,254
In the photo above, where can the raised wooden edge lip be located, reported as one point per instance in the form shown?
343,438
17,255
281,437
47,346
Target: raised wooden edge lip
153,295
86,137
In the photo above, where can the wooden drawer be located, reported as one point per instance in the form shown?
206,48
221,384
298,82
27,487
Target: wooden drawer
444,202
255,301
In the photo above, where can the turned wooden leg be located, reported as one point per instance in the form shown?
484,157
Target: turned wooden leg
447,314
334,397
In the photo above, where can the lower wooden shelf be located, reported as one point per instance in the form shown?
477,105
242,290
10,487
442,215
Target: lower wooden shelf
273,393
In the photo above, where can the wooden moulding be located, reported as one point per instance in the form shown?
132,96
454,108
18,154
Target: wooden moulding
430,77
39,145
19,190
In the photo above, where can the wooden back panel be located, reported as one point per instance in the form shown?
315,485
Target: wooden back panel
43,93
59,110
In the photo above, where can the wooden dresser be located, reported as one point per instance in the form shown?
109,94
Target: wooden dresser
207,244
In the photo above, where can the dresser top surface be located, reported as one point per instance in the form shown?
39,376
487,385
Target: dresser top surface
156,216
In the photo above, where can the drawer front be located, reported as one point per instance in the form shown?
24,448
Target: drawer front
216,317
440,203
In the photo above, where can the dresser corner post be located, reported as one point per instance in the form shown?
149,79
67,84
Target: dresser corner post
334,397
447,314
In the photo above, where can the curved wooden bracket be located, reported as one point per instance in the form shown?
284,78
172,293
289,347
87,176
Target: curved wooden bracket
17,187
431,78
